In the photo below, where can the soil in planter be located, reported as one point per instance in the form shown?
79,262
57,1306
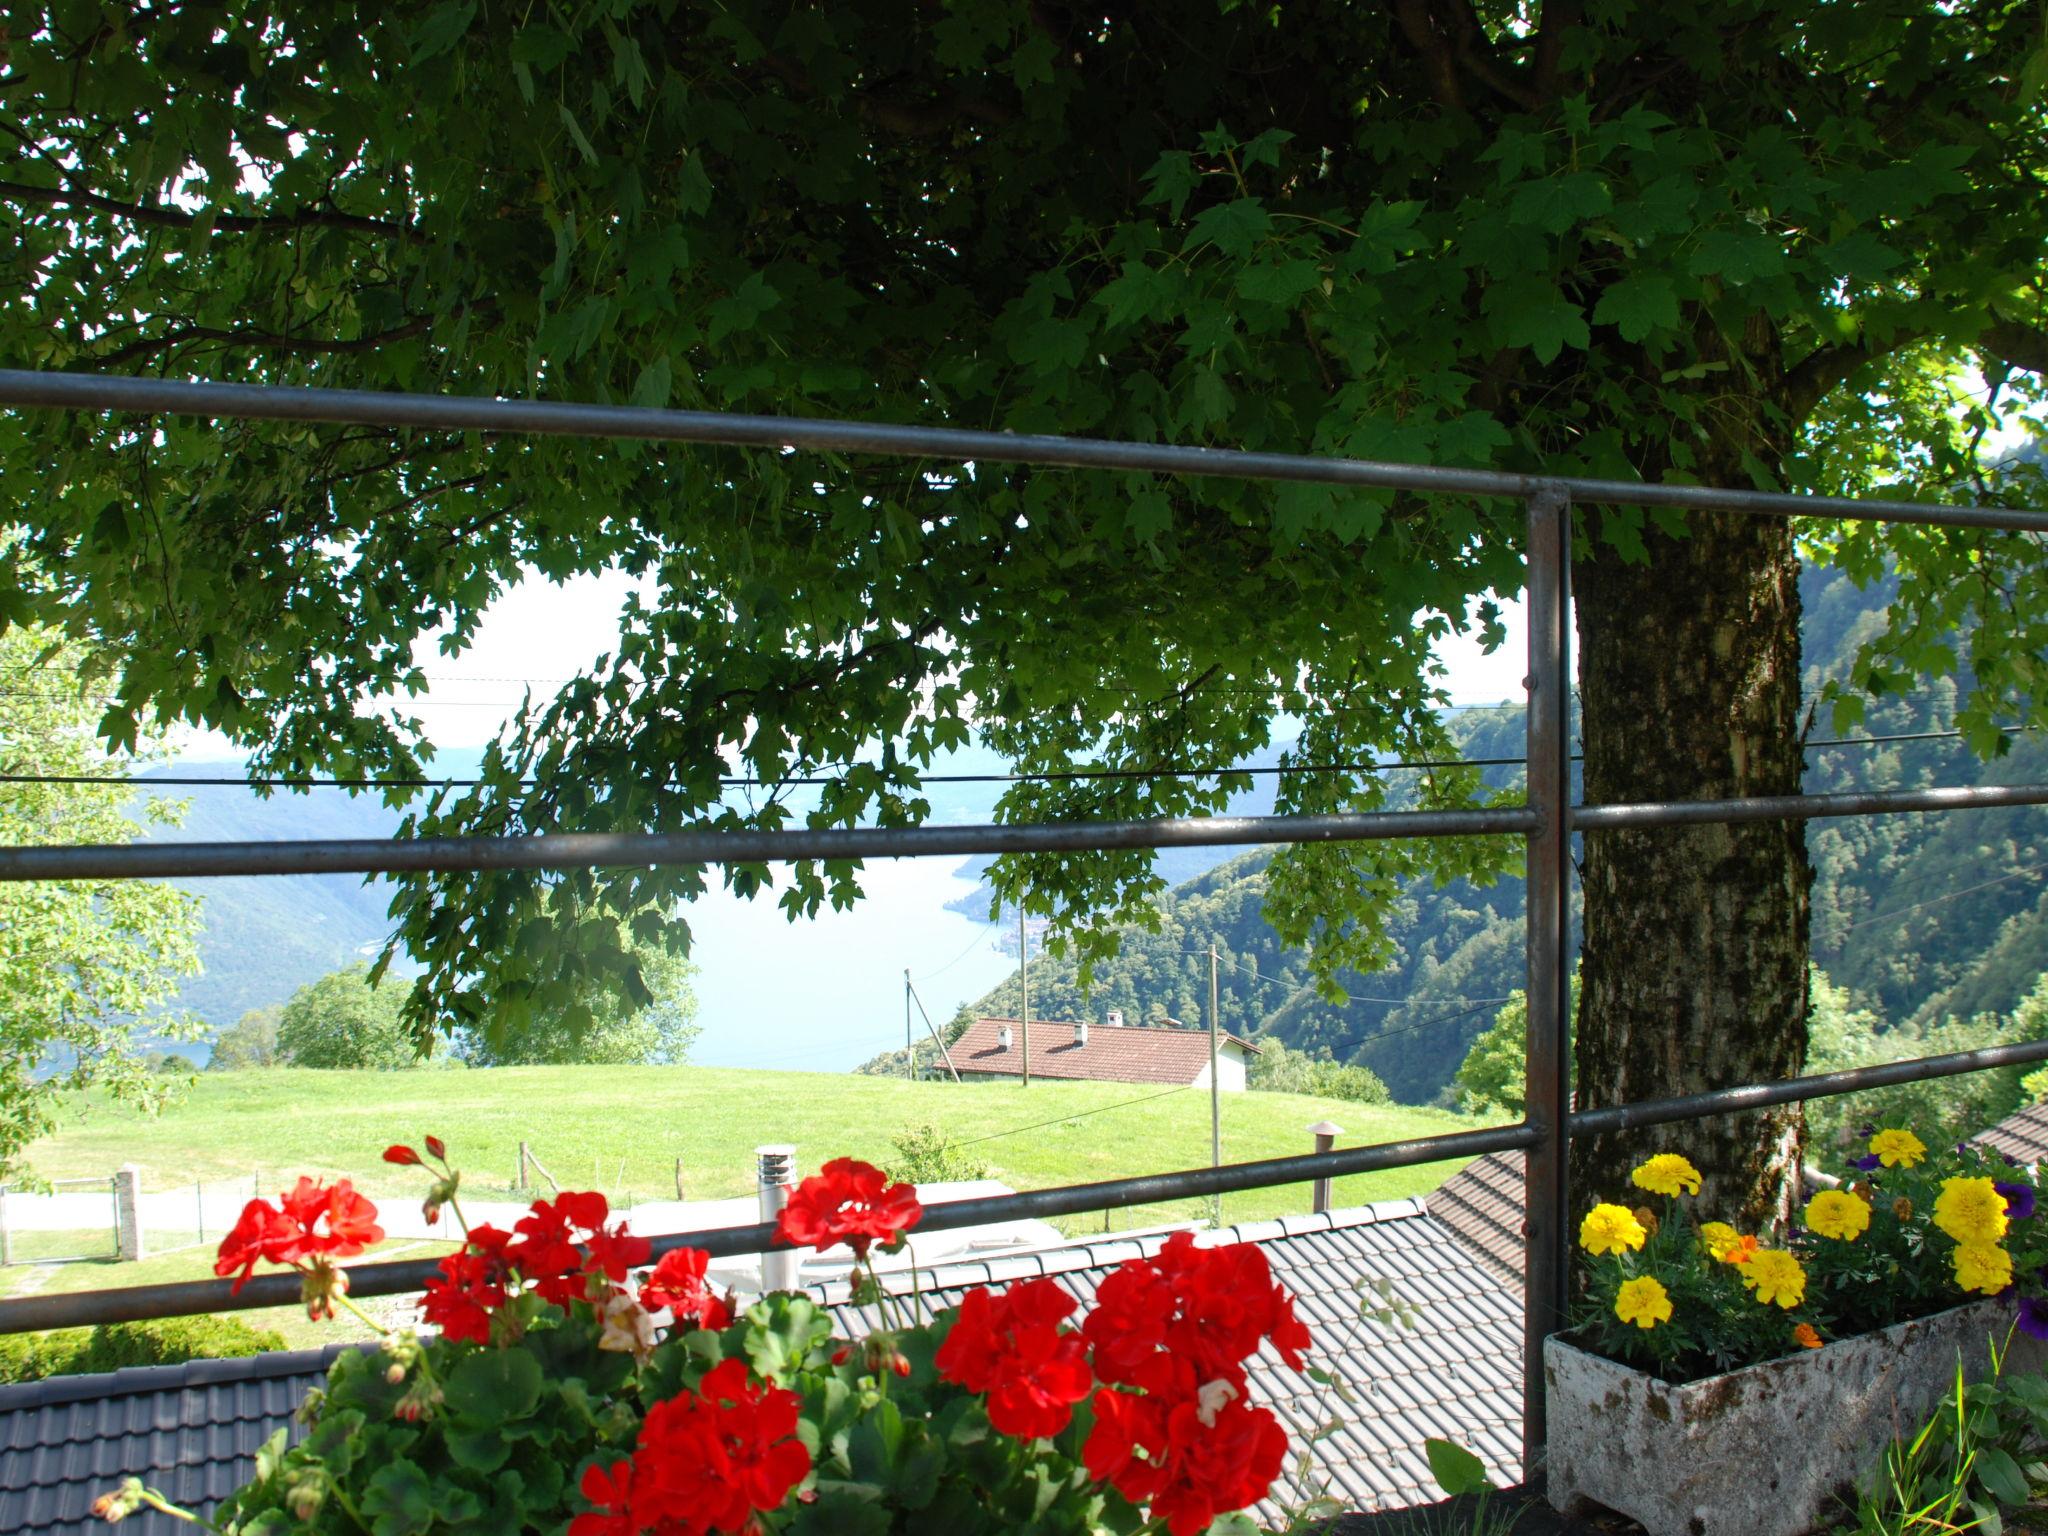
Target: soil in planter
1508,1512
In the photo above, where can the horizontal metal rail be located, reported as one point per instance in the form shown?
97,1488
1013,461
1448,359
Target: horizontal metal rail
349,407
133,1303
566,850
580,850
1822,1085
1874,802
399,1277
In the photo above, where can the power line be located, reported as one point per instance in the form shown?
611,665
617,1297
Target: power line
1083,1114
1935,901
1349,997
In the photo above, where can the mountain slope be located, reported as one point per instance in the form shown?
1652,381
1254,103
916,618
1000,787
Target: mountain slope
1919,916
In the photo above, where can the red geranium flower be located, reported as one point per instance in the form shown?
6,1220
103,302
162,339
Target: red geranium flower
1190,1451
404,1157
677,1285
615,1252
1012,1348
714,1458
611,1490
851,1202
470,1288
261,1232
309,1220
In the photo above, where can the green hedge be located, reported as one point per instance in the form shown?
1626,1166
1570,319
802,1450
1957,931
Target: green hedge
172,1341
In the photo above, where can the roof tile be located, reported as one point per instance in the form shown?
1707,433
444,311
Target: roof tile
1114,1055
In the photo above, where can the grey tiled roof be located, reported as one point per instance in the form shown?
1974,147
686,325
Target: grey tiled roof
190,1431
1482,1206
1456,1373
2023,1135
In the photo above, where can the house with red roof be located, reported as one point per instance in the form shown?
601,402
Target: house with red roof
1071,1049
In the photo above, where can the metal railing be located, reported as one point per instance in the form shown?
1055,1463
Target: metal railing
1546,821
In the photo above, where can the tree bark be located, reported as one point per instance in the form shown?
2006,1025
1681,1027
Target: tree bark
1694,966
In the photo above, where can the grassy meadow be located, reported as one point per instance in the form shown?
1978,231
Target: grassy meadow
623,1130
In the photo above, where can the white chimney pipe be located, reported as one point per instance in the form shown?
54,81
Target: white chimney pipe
1003,1038
1116,1018
1080,1032
776,1169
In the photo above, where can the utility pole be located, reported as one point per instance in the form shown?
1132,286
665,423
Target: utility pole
909,1041
1215,1091
1024,985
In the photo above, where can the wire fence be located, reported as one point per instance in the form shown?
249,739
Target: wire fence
1546,819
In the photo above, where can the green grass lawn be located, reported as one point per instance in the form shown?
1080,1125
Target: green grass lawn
622,1130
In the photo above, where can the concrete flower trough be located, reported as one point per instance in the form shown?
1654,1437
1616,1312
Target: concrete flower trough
1770,1450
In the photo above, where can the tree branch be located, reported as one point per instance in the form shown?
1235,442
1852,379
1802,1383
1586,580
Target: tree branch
177,218
1559,16
1416,25
2016,344
269,339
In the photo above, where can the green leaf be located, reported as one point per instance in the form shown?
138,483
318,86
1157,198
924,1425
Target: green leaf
742,309
495,1386
1233,228
575,132
1737,257
442,28
1279,282
480,1450
399,1500
1456,1470
1530,312
654,383
1556,203
2001,1475
1638,305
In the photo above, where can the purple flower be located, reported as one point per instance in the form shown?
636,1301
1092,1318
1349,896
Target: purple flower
2019,1199
1866,1162
2034,1317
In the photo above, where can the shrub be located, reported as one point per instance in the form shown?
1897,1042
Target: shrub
1277,1069
110,1347
926,1154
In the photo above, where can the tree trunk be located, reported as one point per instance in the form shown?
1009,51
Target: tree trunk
1694,966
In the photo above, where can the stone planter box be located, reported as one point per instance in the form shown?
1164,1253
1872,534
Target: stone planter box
1770,1450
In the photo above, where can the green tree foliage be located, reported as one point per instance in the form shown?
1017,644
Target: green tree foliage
1276,1069
1730,241
611,1032
80,961
346,1020
1940,1109
1494,1072
251,1041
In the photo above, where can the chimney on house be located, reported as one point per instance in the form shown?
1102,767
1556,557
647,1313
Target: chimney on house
1116,1018
1003,1038
776,1171
1080,1032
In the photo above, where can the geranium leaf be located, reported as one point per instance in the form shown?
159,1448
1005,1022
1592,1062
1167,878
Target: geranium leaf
494,1387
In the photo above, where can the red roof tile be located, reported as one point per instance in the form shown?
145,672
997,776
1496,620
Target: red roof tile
1111,1055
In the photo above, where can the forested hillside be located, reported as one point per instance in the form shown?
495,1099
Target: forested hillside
1919,917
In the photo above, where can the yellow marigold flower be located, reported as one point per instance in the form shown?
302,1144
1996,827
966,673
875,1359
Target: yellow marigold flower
1984,1267
1668,1174
1970,1211
1643,1302
1610,1229
1838,1214
1775,1276
1805,1336
1898,1149
1717,1237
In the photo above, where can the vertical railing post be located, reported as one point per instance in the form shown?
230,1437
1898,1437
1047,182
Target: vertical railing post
1546,1213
